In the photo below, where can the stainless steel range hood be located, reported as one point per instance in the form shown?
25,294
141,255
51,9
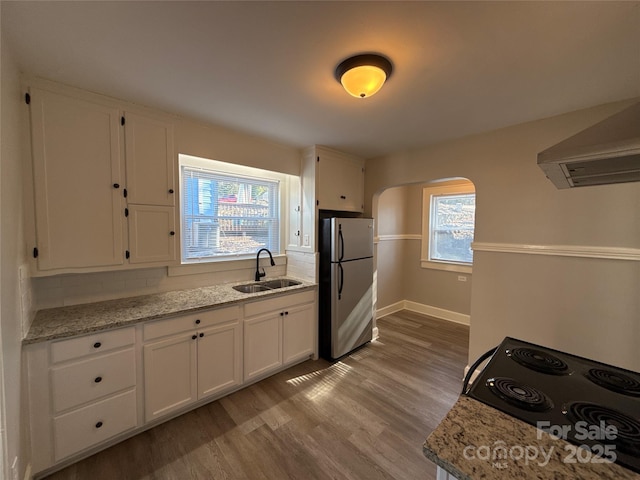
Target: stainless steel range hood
606,153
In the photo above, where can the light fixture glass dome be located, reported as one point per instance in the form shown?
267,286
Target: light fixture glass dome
363,81
363,75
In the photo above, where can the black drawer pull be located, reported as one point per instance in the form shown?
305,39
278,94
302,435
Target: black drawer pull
343,197
198,322
201,335
98,379
97,345
172,233
116,185
193,337
98,425
171,190
286,313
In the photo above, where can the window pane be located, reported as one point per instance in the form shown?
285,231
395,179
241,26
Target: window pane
224,215
452,223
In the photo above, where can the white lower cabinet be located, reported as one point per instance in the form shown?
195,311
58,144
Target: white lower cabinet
189,358
89,391
277,332
82,392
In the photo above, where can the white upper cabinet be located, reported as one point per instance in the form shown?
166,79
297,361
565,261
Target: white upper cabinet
340,181
150,160
152,236
94,160
78,178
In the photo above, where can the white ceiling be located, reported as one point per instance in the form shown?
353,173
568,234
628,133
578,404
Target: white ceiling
267,67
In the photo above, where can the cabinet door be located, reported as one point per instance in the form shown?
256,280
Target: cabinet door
169,375
150,160
298,333
262,345
76,166
152,235
340,182
219,358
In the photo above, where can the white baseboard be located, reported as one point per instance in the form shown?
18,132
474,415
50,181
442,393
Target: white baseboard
436,312
389,309
27,472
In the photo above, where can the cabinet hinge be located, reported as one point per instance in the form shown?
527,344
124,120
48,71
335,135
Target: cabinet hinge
127,254
121,120
126,212
124,192
35,252
27,98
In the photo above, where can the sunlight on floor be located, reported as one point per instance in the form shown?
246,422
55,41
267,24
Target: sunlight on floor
325,380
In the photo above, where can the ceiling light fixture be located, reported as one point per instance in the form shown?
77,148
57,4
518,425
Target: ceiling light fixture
363,75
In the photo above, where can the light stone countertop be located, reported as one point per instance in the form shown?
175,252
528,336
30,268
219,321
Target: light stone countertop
61,322
472,429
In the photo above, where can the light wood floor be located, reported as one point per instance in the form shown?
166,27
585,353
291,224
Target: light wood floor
364,417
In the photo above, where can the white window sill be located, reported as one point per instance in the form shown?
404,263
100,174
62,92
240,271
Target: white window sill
224,265
450,267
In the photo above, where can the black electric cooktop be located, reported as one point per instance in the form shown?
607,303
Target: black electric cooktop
585,402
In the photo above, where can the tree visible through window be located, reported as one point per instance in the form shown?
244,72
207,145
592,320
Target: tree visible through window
226,215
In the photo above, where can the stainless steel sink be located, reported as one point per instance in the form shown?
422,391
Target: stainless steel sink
280,283
251,288
266,285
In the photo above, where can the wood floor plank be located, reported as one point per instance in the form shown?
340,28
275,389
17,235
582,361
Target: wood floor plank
363,417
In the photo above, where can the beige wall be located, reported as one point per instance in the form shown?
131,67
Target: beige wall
564,302
399,273
12,256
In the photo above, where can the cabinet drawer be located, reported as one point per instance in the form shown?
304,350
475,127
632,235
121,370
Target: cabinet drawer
84,381
277,303
90,425
194,321
90,344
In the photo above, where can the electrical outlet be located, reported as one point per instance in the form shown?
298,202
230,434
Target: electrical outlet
306,240
462,278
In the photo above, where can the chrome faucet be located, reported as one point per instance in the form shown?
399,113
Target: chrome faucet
259,274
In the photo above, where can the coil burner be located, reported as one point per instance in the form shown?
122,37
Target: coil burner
519,394
615,381
539,361
627,438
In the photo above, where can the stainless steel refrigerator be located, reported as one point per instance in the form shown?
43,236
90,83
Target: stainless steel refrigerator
346,285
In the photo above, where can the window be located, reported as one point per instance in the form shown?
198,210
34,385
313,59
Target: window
448,227
226,215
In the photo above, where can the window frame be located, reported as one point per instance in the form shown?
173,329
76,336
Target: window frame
428,192
239,171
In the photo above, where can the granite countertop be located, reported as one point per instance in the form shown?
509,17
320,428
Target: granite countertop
473,431
74,320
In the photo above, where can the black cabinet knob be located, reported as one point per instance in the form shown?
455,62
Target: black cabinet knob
98,379
282,314
172,233
97,345
116,185
171,190
201,335
98,425
286,313
193,337
198,322
343,197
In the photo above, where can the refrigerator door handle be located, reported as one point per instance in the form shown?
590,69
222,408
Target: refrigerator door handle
341,243
340,281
